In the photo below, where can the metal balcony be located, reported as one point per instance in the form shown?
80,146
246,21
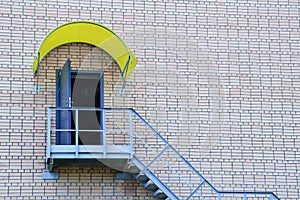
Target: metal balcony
115,148
129,143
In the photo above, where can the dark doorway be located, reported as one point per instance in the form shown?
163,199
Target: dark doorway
87,92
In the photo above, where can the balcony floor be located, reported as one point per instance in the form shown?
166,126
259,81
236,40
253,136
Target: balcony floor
90,152
114,156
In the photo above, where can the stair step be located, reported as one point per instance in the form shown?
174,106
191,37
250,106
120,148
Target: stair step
141,177
150,186
159,194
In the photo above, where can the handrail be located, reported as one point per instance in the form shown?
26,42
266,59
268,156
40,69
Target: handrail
88,108
272,195
170,146
132,112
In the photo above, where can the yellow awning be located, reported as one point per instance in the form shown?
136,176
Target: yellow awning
90,33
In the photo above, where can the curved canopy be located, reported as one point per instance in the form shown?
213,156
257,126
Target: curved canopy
90,33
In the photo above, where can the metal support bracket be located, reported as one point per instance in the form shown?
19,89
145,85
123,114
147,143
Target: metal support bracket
49,164
123,176
50,176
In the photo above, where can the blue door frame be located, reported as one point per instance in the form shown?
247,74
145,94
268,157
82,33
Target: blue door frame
92,85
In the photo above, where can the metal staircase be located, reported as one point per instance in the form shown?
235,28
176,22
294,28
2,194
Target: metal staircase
132,145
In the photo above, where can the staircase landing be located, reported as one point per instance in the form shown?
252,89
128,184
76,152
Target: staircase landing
114,156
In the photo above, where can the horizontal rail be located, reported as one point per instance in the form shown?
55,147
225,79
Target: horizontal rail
241,192
247,193
90,130
89,108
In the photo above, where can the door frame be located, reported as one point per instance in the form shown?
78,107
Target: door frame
73,72
88,74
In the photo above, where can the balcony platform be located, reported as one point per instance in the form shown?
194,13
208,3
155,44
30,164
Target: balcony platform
90,152
114,156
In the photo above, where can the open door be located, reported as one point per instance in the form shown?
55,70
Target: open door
63,117
87,92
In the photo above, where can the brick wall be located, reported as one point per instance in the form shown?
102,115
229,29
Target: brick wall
218,79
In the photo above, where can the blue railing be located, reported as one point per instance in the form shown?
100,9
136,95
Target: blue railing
155,153
108,129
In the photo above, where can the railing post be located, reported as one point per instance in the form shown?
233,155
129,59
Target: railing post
271,196
245,196
104,132
77,132
219,196
131,133
49,134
